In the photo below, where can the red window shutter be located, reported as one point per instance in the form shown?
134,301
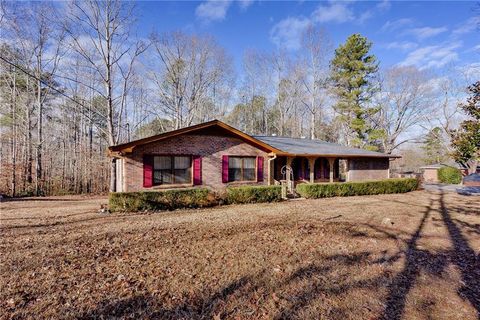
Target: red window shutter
197,170
259,169
224,169
147,171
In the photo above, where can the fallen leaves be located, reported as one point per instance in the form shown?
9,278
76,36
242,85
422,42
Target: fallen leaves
290,260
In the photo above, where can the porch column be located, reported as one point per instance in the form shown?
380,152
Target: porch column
311,164
289,168
331,162
270,169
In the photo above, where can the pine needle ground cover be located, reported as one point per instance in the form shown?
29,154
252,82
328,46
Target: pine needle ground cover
410,256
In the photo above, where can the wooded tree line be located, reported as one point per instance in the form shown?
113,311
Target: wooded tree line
75,78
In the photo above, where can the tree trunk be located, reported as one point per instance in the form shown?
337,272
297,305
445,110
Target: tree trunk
38,162
472,166
109,89
13,137
282,123
64,163
312,124
29,156
90,149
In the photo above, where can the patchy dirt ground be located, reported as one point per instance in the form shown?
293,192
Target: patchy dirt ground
410,256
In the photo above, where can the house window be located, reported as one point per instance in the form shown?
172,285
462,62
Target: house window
172,170
241,168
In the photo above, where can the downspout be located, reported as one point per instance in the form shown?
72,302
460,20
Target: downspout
270,163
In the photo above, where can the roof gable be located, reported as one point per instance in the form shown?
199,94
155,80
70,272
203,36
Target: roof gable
214,126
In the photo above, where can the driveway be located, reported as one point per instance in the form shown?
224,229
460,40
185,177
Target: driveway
438,187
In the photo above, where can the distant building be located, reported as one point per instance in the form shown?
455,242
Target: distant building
430,172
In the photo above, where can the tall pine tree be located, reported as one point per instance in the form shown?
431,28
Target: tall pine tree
353,72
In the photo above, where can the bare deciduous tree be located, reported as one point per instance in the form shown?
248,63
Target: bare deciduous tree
37,32
255,88
100,31
69,90
449,90
314,65
405,100
191,70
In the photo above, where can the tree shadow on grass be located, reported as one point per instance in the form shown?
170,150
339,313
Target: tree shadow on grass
462,255
145,306
468,227
465,258
316,280
404,281
313,280
325,286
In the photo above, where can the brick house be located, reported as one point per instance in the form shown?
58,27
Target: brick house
216,155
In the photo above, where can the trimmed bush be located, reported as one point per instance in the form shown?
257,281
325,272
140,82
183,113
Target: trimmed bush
449,175
253,194
343,189
160,200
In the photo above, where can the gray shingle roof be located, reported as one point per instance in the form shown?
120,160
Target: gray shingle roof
300,146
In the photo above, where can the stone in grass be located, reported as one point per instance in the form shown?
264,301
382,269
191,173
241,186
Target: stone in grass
387,221
104,209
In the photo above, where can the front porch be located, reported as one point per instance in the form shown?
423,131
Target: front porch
305,169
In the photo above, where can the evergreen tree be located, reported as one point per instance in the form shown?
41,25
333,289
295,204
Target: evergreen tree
352,76
466,140
154,127
434,147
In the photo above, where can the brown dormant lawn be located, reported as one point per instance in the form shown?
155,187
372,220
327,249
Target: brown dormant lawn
409,256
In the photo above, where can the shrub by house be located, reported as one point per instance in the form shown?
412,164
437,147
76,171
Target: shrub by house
160,200
253,194
320,190
449,175
190,198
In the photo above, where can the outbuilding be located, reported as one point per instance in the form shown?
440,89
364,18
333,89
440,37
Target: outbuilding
430,172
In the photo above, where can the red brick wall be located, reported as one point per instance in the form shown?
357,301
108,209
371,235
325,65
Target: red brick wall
362,169
210,148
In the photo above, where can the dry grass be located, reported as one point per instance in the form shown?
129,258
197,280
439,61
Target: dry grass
411,256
